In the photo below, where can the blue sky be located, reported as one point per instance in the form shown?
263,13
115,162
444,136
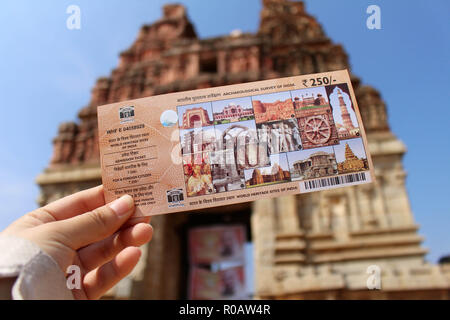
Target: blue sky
47,72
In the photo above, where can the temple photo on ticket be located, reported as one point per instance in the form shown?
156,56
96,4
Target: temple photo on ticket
232,110
315,118
312,163
273,107
195,115
351,156
276,172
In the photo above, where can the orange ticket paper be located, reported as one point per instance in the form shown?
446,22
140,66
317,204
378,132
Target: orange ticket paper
224,145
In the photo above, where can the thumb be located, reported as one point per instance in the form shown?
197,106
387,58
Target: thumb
96,225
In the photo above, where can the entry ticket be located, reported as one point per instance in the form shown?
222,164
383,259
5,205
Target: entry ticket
224,145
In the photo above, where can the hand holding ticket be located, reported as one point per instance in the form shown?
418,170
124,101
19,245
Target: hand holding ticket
224,145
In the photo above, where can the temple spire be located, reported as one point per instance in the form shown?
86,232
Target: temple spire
349,155
285,20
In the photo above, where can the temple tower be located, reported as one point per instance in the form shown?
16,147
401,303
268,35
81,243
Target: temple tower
316,245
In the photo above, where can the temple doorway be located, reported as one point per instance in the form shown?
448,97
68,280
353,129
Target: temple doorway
224,279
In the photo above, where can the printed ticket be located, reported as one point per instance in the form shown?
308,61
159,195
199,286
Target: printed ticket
224,145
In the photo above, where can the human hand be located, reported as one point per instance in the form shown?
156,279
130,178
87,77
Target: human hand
82,230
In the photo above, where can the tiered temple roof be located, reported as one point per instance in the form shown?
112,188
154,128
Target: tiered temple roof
167,56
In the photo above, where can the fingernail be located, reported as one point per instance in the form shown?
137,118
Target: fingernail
122,205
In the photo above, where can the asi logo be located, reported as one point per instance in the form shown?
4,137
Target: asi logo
175,197
126,114
374,280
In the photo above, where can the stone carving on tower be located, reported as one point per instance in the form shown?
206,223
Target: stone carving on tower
315,245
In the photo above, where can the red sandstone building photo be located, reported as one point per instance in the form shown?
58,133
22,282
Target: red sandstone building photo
273,107
198,115
232,110
277,172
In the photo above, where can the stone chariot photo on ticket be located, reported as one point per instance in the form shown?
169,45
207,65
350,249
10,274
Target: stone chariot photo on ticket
224,145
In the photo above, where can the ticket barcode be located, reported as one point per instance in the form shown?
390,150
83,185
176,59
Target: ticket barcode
349,179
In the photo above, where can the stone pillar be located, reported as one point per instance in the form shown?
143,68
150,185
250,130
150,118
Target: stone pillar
222,62
241,152
252,148
263,231
339,224
193,67
379,208
288,219
365,206
315,219
321,67
254,59
309,212
387,152
354,221
324,218
308,66
403,201
396,198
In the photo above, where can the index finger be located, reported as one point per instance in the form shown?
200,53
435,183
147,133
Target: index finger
77,203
